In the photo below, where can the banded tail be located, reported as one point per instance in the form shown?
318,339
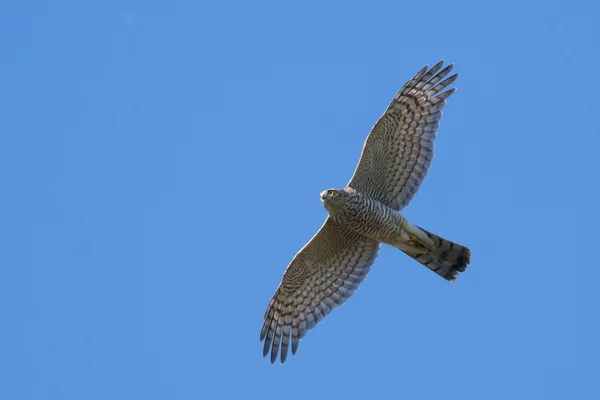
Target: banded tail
447,259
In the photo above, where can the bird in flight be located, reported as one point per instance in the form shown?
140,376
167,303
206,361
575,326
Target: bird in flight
394,161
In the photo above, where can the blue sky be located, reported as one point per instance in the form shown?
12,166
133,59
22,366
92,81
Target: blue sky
161,164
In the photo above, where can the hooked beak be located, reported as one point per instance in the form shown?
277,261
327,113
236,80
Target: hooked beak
323,195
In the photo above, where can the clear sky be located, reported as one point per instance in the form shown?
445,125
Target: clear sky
160,165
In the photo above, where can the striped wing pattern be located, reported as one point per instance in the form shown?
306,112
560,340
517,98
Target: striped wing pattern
398,151
322,276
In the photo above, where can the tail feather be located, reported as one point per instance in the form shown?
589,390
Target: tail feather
447,259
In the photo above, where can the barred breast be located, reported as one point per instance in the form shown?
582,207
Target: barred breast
370,218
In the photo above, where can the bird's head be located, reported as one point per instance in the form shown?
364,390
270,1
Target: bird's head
335,200
329,195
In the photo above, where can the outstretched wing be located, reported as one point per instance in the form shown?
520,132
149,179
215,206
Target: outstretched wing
398,151
323,275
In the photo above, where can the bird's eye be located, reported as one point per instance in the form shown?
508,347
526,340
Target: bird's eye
330,193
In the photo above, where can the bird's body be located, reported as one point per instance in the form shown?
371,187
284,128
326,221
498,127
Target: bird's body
394,161
364,215
379,222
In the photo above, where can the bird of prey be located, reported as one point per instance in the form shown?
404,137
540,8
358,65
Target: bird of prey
394,161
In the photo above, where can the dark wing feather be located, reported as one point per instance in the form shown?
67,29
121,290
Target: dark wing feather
323,275
398,151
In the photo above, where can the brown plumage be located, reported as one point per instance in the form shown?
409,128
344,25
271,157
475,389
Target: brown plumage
394,161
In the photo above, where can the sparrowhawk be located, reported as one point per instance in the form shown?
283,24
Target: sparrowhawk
394,161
